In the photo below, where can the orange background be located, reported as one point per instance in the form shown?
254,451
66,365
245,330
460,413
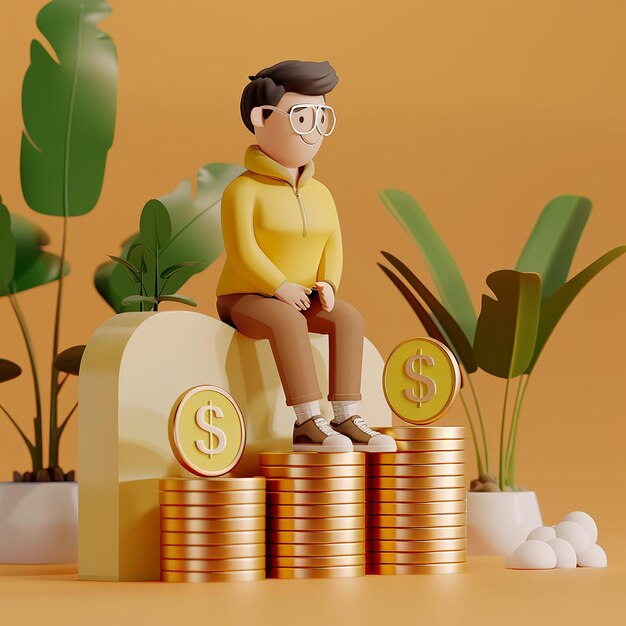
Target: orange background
481,110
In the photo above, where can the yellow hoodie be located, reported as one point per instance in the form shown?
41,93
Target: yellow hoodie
276,232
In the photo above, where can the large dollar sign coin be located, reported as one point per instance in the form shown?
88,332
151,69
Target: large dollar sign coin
206,430
421,379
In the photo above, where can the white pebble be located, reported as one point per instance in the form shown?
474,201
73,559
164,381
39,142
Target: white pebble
565,554
533,554
575,534
542,533
586,521
594,556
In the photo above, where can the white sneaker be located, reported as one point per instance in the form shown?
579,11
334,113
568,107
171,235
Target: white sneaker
316,435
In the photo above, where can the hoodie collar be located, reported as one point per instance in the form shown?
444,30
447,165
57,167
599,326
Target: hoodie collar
258,162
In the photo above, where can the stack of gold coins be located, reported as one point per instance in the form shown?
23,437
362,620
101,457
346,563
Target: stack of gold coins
212,529
315,514
417,503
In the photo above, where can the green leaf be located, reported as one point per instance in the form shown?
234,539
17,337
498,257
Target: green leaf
69,360
553,309
133,271
9,370
155,226
68,105
7,249
507,327
170,271
44,269
459,343
137,298
177,298
445,272
552,244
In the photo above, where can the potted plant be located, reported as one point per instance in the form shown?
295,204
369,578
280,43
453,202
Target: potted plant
505,340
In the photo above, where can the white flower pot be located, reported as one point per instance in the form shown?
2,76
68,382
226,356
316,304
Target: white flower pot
39,522
498,522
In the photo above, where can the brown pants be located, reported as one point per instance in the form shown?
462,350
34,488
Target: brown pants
262,317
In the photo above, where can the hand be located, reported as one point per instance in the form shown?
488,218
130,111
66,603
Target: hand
295,295
327,295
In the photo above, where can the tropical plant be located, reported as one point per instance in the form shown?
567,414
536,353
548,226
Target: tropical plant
68,106
511,331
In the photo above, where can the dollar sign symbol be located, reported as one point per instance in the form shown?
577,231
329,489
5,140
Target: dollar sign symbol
431,385
209,428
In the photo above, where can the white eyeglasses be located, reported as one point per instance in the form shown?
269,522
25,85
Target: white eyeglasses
305,118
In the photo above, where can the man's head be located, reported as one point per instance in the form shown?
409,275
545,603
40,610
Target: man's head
282,86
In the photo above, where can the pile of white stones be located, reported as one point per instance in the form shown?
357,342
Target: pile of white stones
569,544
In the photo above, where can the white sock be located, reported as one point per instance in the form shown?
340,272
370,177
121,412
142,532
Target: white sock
343,410
306,411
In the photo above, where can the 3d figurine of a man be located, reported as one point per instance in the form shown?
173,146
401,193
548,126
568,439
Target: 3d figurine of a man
284,255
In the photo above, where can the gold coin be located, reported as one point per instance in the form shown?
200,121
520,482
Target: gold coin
416,508
315,484
226,525
313,471
209,577
315,561
418,433
316,523
421,380
417,521
206,430
435,568
218,511
316,572
207,498
315,510
415,458
396,471
307,459
315,536
212,539
435,445
316,497
216,565
416,495
415,558
235,551
316,549
417,546
417,534
416,482
221,483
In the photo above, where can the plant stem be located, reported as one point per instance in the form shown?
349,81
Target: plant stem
31,448
501,473
479,460
63,382
67,419
521,392
482,423
37,452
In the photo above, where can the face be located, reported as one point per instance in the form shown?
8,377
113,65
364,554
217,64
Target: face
277,138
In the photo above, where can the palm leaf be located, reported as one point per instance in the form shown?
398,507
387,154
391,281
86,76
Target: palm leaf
8,370
68,104
507,327
552,244
445,272
176,297
7,249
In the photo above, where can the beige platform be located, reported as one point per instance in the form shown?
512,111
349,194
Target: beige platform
134,368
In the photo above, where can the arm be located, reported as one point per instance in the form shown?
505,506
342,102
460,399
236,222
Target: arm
331,263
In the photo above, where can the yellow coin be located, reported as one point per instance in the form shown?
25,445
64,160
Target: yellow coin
316,572
416,495
417,558
435,568
316,549
316,497
315,510
306,459
207,431
313,471
421,379
434,445
416,458
420,433
417,534
219,525
315,484
237,550
315,536
316,561
240,576
219,511
222,483
212,539
416,546
416,508
415,482
398,520
396,471
316,523
205,498
216,565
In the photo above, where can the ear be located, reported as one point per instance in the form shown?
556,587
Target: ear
256,117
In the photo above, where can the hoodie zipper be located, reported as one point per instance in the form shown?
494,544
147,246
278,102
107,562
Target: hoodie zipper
296,193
